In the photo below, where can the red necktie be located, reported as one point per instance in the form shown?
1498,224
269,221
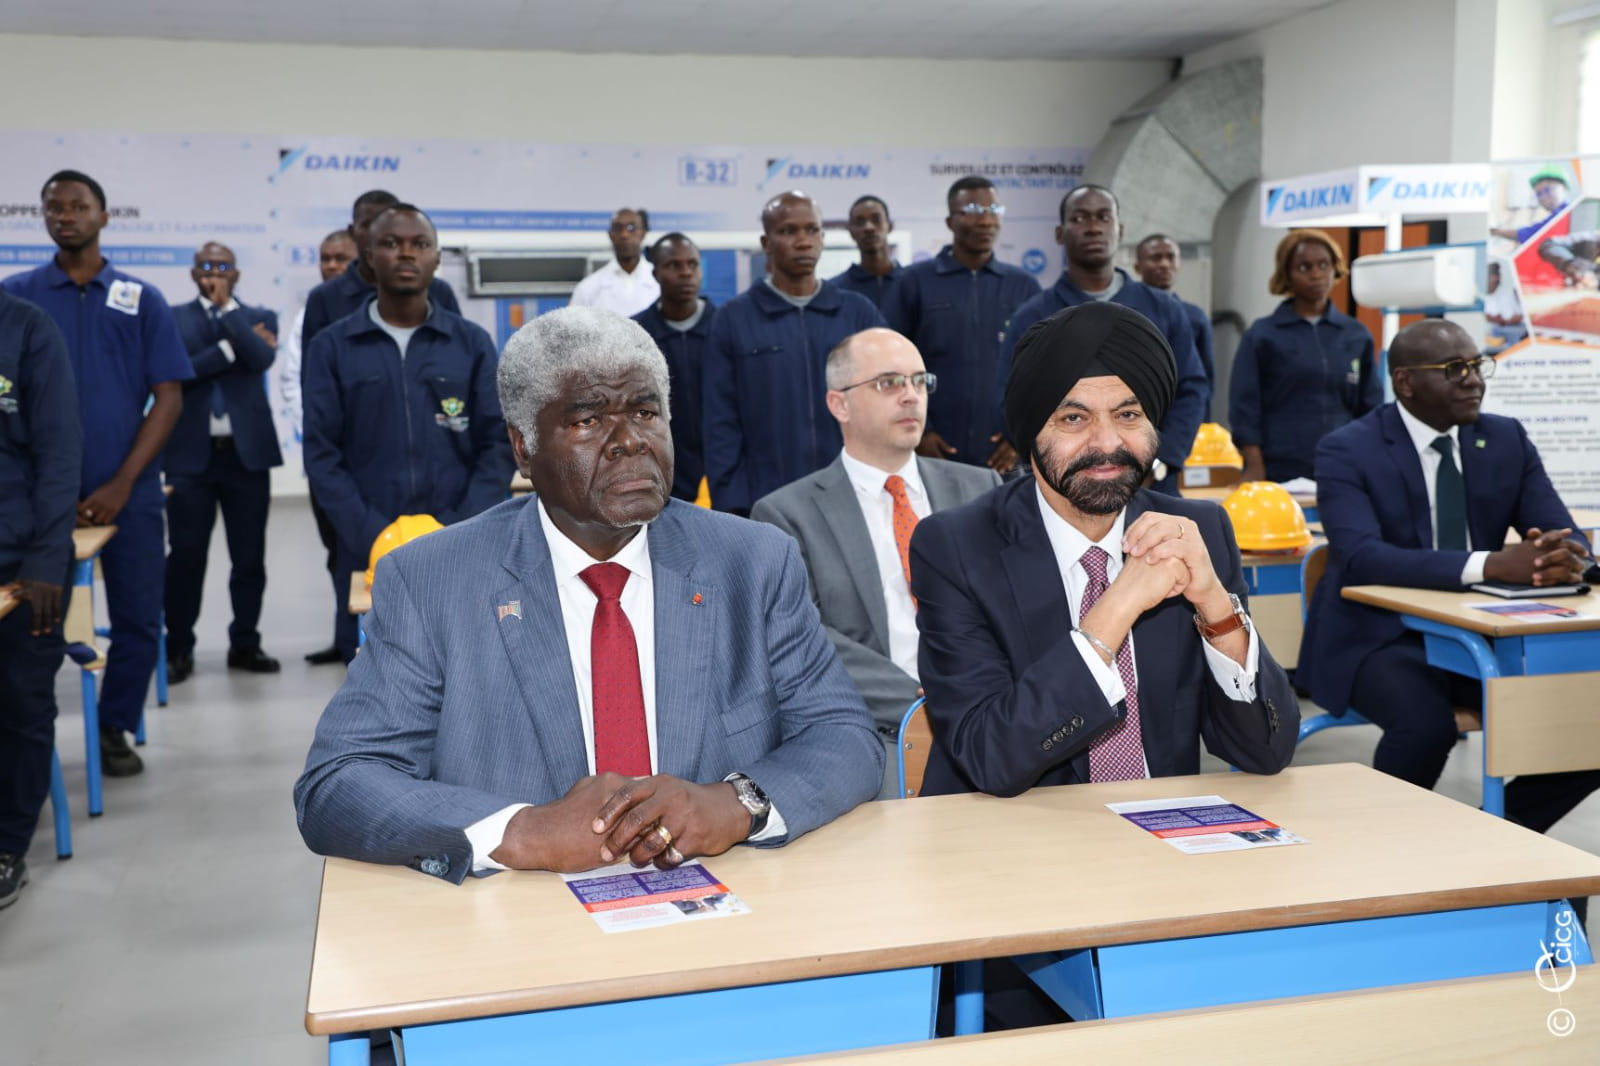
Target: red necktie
621,741
905,520
1117,754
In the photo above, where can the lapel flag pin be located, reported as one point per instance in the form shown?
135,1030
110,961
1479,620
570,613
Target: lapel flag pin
508,610
1481,442
697,599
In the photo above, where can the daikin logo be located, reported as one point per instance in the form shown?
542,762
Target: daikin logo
790,170
308,160
1285,200
1400,191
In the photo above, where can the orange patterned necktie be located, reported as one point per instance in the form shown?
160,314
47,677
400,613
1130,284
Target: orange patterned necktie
905,520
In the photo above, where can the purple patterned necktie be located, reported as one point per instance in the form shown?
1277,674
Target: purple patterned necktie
1118,754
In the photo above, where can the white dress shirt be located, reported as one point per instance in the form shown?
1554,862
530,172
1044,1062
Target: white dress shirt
877,507
1422,438
1069,546
289,376
578,604
221,425
613,289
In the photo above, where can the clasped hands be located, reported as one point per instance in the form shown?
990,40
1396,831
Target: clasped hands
1165,556
662,819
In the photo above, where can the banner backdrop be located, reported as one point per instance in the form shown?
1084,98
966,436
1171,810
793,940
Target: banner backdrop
273,198
1549,371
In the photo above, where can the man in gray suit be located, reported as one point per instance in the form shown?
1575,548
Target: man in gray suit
853,519
544,688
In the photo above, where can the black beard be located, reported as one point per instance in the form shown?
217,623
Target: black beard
1092,496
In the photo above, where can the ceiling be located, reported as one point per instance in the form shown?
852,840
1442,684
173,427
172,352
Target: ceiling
955,29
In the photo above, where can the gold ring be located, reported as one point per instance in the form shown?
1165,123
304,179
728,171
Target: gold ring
666,837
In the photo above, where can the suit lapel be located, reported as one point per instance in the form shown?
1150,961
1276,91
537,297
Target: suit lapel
686,638
1032,574
933,482
1409,467
1480,503
836,501
536,644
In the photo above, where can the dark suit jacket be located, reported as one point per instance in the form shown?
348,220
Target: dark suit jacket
1010,700
821,513
1374,507
244,390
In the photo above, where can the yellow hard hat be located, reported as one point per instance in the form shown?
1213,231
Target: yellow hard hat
403,530
1213,446
1266,518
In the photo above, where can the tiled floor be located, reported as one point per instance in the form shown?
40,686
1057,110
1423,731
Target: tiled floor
181,931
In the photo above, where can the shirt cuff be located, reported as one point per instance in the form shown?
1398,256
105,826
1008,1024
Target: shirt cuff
776,827
1105,676
1237,682
486,835
226,348
1472,573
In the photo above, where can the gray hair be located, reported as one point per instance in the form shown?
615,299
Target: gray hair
585,341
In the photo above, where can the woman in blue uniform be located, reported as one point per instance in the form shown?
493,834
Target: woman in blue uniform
1304,370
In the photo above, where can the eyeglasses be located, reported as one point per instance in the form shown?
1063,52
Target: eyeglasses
213,267
983,209
1458,371
625,227
921,381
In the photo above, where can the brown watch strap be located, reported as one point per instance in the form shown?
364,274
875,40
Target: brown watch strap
1213,630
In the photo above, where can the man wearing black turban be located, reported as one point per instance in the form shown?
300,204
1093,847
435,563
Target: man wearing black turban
1075,627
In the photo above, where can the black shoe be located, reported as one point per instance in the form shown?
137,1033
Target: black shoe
179,667
116,758
327,655
252,659
13,875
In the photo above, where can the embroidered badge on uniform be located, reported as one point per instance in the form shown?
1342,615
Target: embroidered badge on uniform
452,406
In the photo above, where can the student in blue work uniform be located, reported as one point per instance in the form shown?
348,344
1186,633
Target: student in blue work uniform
765,415
1550,190
1303,371
877,272
1089,234
1157,260
221,456
401,410
41,462
341,295
680,323
125,351
954,308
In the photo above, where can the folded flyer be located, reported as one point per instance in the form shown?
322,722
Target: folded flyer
1196,825
622,897
1526,611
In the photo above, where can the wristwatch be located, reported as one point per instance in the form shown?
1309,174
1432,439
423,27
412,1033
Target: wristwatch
1237,620
755,801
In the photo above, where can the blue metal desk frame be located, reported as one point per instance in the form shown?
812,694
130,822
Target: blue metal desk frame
872,1009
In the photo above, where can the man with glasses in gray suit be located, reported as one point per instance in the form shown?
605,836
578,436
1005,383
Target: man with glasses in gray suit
853,519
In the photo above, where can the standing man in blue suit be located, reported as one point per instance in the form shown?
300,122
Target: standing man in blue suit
221,453
1420,493
954,308
1090,233
1074,627
41,460
129,364
593,671
766,418
1157,260
875,275
401,415
352,290
680,323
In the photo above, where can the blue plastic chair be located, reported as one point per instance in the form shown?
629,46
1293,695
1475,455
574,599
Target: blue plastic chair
1312,568
90,663
916,738
58,806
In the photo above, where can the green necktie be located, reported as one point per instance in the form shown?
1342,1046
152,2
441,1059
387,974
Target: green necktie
1451,499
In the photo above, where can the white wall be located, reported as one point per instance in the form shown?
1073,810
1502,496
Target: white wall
202,87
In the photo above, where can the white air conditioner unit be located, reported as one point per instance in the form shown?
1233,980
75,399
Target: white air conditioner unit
1439,277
